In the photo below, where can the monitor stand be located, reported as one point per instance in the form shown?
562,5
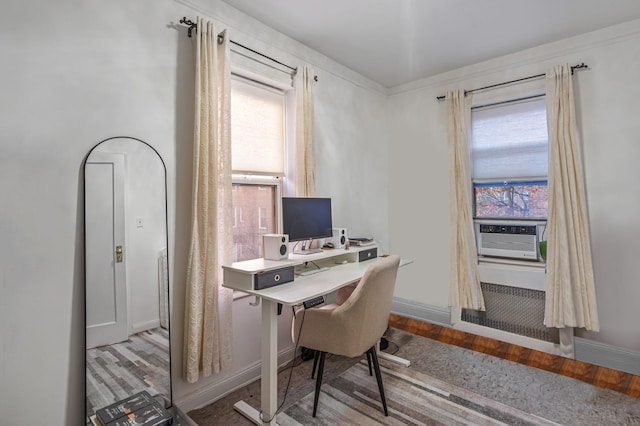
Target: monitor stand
305,250
308,251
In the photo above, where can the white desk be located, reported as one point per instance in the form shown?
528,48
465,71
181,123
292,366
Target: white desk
293,293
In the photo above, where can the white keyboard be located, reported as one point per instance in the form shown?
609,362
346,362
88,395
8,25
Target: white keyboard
313,271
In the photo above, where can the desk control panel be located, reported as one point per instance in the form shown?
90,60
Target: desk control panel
313,302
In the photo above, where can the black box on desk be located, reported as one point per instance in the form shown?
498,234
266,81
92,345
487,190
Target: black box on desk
257,274
272,278
368,254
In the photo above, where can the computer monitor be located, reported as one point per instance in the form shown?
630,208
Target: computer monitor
306,218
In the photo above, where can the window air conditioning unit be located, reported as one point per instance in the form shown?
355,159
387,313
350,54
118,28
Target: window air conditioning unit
516,240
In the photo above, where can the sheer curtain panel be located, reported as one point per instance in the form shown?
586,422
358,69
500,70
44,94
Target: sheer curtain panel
207,340
570,296
305,170
464,286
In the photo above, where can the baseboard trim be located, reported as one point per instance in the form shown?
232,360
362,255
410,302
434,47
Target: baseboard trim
208,394
144,326
420,311
609,356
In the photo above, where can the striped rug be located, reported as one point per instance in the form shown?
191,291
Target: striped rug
413,398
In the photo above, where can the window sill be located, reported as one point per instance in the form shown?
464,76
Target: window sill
512,262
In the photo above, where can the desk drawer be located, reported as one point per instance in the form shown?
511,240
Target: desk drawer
272,278
369,254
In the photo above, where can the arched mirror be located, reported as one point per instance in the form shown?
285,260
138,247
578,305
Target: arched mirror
127,276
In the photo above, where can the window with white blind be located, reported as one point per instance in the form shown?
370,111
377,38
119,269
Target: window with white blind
257,128
509,159
258,152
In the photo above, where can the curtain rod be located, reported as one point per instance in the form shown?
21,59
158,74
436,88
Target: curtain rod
193,26
575,67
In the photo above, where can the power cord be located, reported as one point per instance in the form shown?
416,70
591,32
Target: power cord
293,364
394,344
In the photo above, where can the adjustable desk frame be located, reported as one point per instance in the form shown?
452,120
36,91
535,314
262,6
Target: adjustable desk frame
293,293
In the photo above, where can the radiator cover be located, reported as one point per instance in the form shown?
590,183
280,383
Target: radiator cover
514,310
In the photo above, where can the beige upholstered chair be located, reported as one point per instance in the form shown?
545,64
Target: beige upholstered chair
353,327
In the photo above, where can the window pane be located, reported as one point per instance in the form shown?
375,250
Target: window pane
255,207
511,199
510,141
257,128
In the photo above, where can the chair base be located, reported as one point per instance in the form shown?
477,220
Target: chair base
372,359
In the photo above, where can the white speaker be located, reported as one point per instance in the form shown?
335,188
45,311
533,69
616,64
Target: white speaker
275,246
340,237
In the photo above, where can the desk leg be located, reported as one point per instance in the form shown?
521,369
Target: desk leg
269,385
269,374
392,358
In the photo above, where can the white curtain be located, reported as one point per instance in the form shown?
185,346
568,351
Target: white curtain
208,333
464,286
570,295
305,168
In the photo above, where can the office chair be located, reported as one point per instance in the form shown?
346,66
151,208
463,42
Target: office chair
354,327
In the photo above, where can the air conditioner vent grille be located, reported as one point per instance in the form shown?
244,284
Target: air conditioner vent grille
512,309
511,242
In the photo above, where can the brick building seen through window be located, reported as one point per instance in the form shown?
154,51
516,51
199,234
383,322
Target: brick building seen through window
254,215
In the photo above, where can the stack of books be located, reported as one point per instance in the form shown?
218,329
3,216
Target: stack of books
362,242
138,409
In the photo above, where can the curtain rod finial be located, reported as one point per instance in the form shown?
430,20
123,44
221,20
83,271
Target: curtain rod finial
192,25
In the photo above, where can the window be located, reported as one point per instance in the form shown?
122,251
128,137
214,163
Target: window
260,218
258,163
509,159
511,199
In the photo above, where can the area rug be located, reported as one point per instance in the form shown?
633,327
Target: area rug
413,398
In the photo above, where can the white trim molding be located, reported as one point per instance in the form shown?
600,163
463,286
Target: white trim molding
420,311
609,356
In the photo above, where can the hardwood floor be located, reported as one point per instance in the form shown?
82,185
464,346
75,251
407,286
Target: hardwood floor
603,377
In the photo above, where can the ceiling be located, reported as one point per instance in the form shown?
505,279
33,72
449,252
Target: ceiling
397,41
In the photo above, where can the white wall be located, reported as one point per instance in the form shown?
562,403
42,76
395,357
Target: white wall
76,72
607,107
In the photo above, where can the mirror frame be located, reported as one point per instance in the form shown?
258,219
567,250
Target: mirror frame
168,398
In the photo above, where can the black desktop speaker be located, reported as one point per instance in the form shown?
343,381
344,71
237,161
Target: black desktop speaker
339,237
275,246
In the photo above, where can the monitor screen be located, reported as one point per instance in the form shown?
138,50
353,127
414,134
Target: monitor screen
306,218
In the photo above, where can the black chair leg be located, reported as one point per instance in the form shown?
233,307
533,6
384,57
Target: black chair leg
316,354
318,382
369,363
376,367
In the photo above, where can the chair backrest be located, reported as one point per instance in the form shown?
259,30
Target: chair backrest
353,327
367,309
